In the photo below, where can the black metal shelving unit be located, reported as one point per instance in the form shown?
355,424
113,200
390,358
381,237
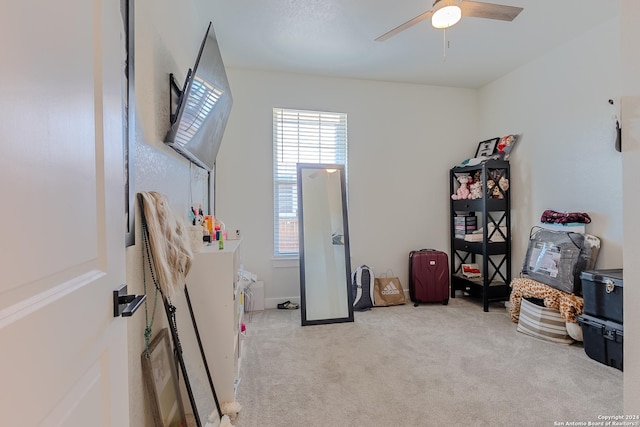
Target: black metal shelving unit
493,211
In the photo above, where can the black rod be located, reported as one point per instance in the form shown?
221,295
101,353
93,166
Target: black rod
204,358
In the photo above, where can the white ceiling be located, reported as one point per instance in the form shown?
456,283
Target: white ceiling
336,38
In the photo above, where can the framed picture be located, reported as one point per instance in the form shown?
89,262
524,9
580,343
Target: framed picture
487,148
159,372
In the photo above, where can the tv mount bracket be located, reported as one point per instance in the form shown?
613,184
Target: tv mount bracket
173,87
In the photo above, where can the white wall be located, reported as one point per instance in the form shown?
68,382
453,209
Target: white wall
403,139
565,159
631,147
167,37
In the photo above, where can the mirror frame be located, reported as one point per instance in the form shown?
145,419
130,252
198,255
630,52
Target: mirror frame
181,304
127,8
176,329
343,189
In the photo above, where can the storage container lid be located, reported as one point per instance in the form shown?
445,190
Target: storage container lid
602,276
585,319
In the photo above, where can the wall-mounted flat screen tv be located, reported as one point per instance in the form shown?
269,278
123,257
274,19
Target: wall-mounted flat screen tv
203,106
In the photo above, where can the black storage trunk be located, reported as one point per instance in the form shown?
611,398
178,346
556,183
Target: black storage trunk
602,293
602,340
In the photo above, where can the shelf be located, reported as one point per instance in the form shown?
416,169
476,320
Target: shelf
491,212
493,248
489,164
216,295
477,205
495,291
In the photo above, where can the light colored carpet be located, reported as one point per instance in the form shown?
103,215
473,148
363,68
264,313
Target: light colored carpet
433,365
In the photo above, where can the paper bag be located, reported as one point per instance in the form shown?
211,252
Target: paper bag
387,291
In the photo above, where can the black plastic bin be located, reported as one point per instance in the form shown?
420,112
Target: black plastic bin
603,340
602,293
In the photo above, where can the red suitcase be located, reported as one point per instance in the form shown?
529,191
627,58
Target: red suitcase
428,276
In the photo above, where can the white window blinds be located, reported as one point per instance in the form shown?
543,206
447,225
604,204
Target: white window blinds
300,137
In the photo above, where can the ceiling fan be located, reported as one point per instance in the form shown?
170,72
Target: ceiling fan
452,10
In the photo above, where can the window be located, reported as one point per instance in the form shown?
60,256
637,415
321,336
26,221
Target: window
300,137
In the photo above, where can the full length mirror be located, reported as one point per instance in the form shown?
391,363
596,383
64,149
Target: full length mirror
205,406
325,268
201,404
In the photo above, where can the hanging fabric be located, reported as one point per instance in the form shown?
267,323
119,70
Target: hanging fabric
171,253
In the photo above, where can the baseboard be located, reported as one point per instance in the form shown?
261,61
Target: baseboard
273,302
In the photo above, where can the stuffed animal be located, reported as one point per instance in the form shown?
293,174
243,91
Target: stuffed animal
570,306
493,190
503,183
497,184
463,191
230,410
476,190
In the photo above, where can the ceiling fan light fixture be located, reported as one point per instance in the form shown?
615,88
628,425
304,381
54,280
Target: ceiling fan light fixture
447,15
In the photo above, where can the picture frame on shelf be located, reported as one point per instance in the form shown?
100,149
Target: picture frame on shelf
487,148
159,373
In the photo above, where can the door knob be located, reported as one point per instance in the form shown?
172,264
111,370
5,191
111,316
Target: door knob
125,305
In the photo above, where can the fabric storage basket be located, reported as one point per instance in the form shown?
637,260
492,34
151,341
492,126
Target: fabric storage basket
542,322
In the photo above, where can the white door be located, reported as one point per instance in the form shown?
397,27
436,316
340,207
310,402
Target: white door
63,357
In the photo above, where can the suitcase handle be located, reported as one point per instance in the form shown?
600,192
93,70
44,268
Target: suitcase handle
421,250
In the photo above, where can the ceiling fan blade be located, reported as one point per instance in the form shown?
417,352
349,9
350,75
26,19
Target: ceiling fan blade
478,9
402,27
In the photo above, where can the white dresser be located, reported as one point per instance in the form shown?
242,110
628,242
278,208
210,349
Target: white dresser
216,294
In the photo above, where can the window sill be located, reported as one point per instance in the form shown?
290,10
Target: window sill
285,262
